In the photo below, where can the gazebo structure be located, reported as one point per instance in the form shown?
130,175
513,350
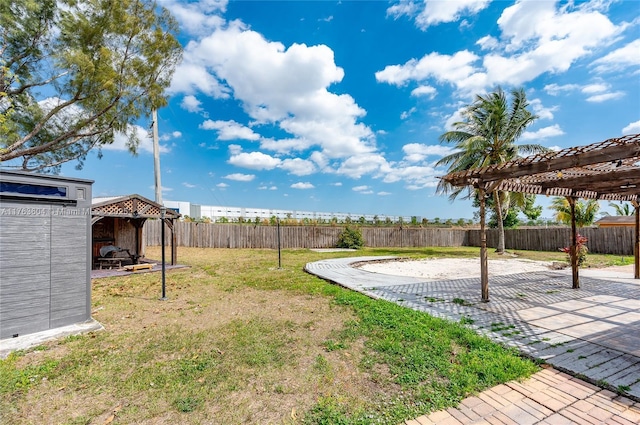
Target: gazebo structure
119,220
608,170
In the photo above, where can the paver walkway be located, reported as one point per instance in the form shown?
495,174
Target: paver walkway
548,397
592,332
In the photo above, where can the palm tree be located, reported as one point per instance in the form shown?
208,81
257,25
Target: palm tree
487,136
622,209
585,211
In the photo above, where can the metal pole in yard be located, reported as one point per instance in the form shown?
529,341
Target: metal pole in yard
279,255
162,214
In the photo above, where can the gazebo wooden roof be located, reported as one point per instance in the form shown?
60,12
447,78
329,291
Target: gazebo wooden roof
136,209
608,170
130,206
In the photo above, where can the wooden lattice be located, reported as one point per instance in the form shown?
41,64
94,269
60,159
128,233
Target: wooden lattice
133,206
608,170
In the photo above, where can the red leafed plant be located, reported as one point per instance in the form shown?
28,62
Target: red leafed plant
581,249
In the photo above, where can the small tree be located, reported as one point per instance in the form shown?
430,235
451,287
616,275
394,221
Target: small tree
624,208
585,211
581,250
350,238
75,73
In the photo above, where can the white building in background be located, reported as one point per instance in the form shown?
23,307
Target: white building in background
215,213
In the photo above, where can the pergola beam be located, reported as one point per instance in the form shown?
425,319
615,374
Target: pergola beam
609,151
608,170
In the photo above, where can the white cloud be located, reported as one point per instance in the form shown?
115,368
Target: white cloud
543,133
230,130
588,89
542,112
384,193
188,185
443,68
556,89
434,12
199,17
418,152
168,136
605,96
277,85
191,103
195,78
285,145
406,114
222,185
426,91
298,166
235,149
632,128
254,160
240,177
487,43
404,7
595,88
454,118
360,188
620,59
357,166
415,177
302,185
537,37
338,184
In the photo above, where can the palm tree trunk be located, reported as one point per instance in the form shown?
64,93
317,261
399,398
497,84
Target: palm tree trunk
498,208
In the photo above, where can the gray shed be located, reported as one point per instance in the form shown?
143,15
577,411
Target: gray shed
45,252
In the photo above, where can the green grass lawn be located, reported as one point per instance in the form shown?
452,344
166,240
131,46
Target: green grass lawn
242,341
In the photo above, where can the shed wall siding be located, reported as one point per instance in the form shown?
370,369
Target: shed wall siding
44,261
25,267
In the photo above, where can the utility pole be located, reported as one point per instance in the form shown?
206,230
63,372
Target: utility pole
156,166
156,157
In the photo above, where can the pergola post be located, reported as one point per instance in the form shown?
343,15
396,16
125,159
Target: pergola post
573,250
636,245
484,270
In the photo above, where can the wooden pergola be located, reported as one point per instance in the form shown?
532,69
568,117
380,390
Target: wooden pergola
608,170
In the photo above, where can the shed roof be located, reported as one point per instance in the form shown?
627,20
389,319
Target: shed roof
129,206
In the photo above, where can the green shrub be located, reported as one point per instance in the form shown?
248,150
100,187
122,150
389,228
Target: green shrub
350,238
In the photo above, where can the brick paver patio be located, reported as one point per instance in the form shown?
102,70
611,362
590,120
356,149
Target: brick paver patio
592,333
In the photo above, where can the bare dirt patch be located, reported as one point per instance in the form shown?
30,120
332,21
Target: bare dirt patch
219,350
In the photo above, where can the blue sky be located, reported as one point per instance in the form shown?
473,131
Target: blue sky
337,106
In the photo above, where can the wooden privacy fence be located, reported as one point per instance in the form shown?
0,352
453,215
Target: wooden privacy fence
610,240
206,235
601,240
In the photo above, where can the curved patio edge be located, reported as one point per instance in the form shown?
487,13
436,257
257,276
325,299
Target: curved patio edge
592,332
341,271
